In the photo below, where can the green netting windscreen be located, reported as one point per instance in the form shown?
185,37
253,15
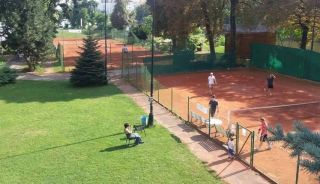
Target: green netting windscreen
289,61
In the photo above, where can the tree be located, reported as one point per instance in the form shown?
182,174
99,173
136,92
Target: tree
120,16
175,20
100,20
302,141
141,12
89,69
302,15
76,14
213,15
29,28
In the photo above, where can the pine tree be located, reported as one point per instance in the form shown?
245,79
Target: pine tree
301,141
89,69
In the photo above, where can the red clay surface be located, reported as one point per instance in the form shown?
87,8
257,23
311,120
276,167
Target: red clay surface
244,88
114,60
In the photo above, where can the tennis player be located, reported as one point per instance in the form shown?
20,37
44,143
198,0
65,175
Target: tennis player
211,82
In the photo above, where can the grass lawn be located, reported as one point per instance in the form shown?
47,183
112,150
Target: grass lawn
65,34
52,133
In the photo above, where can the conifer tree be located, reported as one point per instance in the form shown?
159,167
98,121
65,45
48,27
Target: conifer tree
89,69
301,141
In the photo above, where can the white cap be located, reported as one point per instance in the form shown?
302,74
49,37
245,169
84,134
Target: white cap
211,73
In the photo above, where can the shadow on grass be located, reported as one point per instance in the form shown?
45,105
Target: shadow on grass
60,146
52,91
117,148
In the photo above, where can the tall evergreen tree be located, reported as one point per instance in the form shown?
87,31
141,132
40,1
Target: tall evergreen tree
120,16
89,69
302,141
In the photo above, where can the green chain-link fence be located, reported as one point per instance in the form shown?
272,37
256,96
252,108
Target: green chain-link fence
289,61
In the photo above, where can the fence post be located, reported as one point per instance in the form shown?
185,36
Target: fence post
237,138
252,149
128,67
158,92
171,99
188,111
110,55
209,124
297,172
122,65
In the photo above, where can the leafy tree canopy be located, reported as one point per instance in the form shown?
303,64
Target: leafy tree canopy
29,27
120,15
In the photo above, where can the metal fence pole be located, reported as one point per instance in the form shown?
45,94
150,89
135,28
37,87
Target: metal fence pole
209,122
188,109
158,92
171,99
298,167
110,54
122,65
252,149
237,138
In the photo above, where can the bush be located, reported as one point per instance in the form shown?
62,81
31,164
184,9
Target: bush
221,41
7,75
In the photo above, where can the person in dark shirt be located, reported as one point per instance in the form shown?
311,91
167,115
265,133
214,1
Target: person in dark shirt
270,80
213,104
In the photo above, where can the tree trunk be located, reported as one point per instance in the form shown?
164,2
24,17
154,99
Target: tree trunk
304,38
174,44
210,35
179,43
233,31
31,64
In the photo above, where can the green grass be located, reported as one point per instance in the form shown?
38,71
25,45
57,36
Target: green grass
220,50
52,133
65,34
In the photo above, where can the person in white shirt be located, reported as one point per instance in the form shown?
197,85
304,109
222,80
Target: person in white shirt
211,81
125,49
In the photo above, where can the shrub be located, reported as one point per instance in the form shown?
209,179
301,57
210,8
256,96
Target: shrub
7,75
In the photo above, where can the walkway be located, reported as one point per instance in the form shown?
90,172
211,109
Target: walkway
211,154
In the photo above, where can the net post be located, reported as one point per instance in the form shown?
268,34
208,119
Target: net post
188,110
252,149
237,138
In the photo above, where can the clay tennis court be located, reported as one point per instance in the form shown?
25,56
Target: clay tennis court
71,51
244,89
